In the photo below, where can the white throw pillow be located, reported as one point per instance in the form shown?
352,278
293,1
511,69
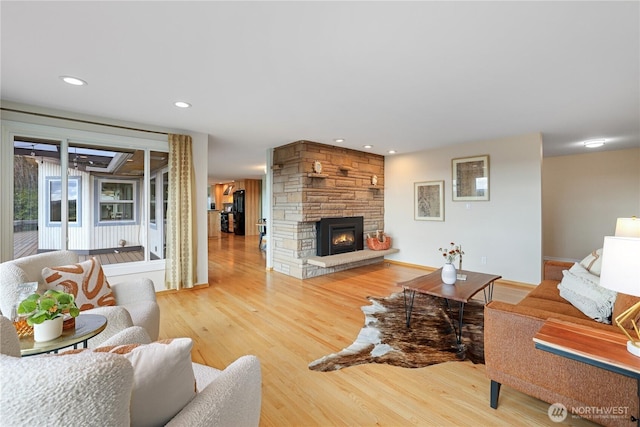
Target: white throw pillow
593,262
163,379
582,289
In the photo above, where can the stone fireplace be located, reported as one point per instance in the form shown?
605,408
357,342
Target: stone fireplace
302,196
339,235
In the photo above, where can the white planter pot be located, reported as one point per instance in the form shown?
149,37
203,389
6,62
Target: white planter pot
449,274
48,330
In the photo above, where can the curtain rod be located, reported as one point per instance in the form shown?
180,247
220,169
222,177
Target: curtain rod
89,122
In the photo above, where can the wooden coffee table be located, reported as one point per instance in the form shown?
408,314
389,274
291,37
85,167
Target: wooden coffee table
462,291
87,326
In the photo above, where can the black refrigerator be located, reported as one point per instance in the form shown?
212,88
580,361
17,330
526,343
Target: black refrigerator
238,212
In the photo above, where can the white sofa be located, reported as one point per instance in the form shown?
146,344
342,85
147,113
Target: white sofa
135,300
93,389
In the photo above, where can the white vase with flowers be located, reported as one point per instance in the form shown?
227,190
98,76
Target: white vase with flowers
450,254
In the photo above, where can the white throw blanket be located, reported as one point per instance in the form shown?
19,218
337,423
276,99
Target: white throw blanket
582,289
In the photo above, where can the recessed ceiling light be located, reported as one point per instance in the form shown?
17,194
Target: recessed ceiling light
339,140
391,151
367,146
594,143
73,81
182,104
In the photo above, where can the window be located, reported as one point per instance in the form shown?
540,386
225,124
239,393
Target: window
104,210
158,185
152,201
165,195
54,197
117,200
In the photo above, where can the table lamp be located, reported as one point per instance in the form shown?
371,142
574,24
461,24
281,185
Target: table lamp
628,227
621,273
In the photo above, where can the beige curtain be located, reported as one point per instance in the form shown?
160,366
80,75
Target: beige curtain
181,233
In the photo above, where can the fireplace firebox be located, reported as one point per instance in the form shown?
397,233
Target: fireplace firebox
339,235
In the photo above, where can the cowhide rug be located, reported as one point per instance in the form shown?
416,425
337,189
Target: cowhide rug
429,340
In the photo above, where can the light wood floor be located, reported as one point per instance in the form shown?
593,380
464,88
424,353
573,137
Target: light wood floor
288,323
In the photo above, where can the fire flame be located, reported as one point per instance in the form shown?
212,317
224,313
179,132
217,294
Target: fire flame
343,238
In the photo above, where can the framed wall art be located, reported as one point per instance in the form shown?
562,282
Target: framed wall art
470,178
429,201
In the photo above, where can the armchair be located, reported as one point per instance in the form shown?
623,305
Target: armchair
231,397
135,300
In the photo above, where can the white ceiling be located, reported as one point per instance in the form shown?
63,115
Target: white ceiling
407,76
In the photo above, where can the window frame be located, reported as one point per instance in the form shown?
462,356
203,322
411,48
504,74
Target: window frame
100,201
153,201
50,180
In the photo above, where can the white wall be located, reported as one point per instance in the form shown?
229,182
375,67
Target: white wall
200,165
507,229
583,195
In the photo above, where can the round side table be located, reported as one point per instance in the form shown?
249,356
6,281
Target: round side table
87,326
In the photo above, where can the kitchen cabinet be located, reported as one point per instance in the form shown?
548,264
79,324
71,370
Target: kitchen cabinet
253,191
253,201
214,223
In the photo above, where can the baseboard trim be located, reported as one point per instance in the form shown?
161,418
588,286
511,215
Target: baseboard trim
408,264
551,258
194,288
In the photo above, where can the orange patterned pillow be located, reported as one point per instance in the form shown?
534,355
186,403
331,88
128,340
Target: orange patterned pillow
85,280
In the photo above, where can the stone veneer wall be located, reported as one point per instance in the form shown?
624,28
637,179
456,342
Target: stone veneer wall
301,197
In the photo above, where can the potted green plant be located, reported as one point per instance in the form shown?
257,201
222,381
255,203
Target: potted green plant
45,312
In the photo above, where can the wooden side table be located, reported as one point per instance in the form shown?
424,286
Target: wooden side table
596,347
87,326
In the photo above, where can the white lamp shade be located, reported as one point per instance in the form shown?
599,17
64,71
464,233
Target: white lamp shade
621,265
628,227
